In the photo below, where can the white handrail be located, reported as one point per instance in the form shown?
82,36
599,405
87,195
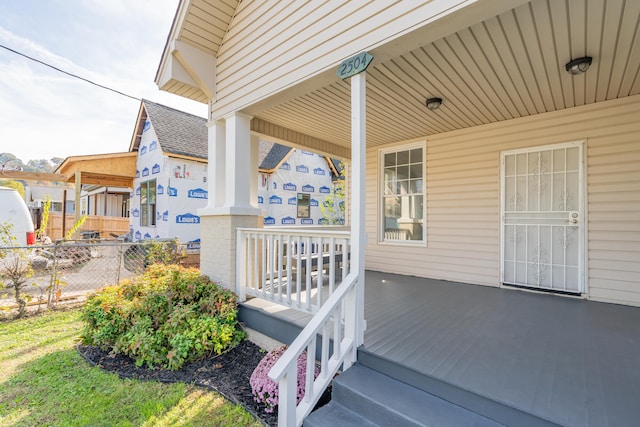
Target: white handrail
276,264
284,371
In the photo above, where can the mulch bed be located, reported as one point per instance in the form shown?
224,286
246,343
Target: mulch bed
228,374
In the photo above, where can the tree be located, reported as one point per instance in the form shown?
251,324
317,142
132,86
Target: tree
333,206
14,266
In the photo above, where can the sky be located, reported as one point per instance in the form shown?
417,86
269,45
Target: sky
116,43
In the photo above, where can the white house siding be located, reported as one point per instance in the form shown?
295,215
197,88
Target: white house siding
463,194
181,189
301,39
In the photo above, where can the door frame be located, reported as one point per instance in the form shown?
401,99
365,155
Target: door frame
583,229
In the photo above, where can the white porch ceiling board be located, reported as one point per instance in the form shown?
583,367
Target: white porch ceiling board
475,62
448,86
509,66
386,99
206,23
626,71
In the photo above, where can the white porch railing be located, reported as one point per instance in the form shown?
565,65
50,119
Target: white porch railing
296,268
335,322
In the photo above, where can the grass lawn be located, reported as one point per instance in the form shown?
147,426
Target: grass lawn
44,381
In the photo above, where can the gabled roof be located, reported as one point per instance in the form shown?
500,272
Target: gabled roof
272,155
179,133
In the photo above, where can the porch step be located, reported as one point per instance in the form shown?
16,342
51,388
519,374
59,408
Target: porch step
482,406
364,397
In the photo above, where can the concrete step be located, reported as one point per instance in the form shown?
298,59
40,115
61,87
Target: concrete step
376,399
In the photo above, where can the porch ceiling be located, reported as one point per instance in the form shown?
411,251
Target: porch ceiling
509,66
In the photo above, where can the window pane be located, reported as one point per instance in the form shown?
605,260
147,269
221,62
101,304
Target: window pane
403,172
403,158
390,159
390,174
390,188
416,186
416,171
392,207
416,155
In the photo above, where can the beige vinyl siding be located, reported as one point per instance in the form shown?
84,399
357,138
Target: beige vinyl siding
270,46
463,194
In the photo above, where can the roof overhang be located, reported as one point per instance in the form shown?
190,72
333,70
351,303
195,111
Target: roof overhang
114,169
188,64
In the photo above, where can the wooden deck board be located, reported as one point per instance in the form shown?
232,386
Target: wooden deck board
567,360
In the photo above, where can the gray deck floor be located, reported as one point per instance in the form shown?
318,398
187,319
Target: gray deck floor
574,362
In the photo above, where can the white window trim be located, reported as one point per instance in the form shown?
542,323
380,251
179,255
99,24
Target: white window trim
380,195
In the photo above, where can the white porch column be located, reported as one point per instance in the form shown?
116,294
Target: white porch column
216,168
358,163
238,155
253,164
232,174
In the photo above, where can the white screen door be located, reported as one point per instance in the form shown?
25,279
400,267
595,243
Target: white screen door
542,218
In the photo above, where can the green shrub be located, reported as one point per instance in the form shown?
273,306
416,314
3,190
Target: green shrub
168,316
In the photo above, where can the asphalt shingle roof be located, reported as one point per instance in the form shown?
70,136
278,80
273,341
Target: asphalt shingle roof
274,155
178,132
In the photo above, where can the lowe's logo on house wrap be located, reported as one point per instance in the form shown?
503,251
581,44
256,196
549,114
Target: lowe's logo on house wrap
323,221
158,216
275,200
313,202
137,173
308,153
308,188
155,169
193,245
165,216
138,235
319,171
286,166
147,126
153,145
306,221
187,218
324,190
260,200
172,192
145,172
269,220
197,193
292,201
302,169
287,220
290,186
160,189
147,235
135,213
138,191
143,150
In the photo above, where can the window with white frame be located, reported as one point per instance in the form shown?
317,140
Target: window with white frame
403,193
148,203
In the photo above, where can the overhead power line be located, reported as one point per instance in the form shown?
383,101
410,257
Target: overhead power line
69,74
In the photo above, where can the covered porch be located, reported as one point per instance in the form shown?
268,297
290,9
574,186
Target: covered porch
519,358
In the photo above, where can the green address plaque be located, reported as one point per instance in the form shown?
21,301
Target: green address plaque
354,65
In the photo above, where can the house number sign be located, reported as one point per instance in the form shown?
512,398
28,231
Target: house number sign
354,65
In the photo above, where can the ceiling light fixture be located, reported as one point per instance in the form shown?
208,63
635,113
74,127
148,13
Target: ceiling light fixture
434,103
578,66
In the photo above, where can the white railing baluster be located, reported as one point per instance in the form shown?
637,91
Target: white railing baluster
311,364
289,261
320,271
279,267
283,265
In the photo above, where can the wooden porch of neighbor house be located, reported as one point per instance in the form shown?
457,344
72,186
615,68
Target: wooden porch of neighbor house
513,357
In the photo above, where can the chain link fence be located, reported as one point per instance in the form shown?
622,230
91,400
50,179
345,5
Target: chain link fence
68,271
